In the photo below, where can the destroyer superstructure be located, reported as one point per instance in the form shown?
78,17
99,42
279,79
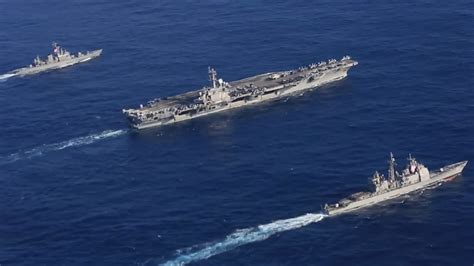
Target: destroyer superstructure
59,58
221,95
413,178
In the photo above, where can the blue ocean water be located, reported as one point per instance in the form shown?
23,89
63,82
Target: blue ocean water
77,187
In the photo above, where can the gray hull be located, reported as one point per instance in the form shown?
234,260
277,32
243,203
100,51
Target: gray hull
435,178
305,84
56,65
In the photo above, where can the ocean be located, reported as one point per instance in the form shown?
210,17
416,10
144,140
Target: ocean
245,187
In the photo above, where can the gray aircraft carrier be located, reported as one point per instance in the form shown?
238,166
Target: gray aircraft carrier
413,178
59,58
223,95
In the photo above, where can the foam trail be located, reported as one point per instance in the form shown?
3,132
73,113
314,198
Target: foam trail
242,237
6,76
79,141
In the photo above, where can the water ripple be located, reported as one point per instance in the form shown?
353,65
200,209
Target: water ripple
46,148
242,237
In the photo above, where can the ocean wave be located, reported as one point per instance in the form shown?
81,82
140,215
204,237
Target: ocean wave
79,141
242,237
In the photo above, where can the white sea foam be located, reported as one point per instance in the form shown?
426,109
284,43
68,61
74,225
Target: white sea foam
242,237
6,76
79,141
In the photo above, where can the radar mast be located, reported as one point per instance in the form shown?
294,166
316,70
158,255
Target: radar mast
212,76
391,168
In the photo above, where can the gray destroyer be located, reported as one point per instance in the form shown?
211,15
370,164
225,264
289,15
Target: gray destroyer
413,178
221,95
59,58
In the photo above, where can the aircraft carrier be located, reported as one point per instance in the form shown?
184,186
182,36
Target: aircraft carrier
221,95
413,178
58,59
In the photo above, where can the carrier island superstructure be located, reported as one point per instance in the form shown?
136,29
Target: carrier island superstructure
221,95
413,178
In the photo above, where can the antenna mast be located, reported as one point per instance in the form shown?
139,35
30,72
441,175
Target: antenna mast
212,76
391,168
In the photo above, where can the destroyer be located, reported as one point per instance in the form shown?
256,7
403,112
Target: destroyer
59,58
223,95
414,177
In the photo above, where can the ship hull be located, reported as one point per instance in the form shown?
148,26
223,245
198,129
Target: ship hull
436,178
325,78
57,65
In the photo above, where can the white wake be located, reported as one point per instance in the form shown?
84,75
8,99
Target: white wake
242,237
6,76
79,141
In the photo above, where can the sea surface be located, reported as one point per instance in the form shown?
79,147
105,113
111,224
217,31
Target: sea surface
77,187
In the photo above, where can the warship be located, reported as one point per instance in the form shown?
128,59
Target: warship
59,58
414,177
222,95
